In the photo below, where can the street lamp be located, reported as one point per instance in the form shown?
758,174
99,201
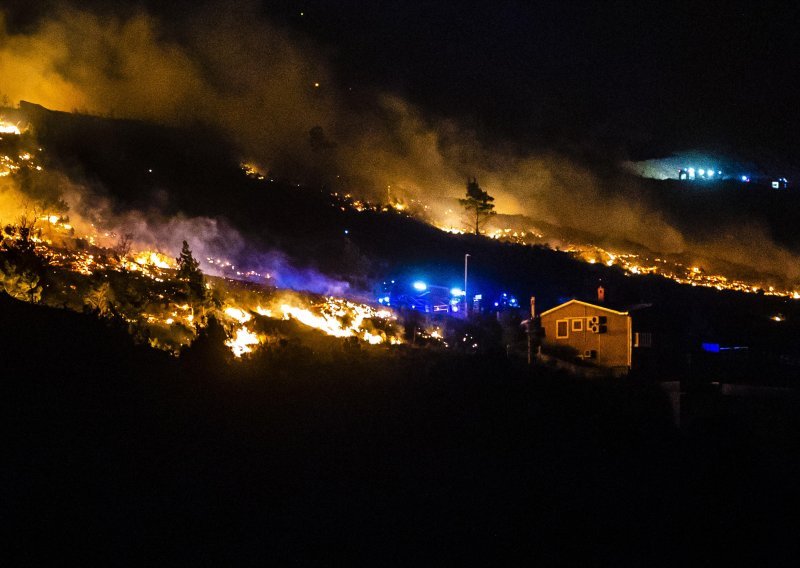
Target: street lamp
466,296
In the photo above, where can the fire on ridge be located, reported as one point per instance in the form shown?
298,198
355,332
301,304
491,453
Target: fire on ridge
143,289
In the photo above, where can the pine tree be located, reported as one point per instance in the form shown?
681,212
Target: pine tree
478,205
189,271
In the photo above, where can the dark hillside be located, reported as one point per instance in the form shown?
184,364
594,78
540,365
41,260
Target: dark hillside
373,455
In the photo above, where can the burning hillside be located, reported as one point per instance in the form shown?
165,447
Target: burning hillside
146,290
277,103
165,301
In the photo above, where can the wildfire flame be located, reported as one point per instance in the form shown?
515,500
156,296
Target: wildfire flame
7,128
341,318
243,341
153,258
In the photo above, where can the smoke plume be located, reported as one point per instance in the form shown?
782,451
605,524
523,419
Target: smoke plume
225,65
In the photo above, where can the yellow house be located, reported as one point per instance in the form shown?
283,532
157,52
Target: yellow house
594,334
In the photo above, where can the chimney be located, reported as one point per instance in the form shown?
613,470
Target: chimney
601,294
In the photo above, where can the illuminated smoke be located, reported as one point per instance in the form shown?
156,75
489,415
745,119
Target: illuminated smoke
268,89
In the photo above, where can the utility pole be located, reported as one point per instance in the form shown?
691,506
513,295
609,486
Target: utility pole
466,296
531,330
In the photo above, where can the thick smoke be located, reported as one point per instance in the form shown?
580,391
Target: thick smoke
268,88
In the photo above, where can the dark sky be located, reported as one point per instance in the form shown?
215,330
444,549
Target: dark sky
646,77
642,74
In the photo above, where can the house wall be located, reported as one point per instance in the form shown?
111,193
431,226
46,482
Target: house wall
613,347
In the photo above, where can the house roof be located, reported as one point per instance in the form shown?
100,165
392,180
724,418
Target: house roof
588,305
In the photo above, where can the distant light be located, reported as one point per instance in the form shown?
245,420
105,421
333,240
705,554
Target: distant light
456,292
316,85
478,297
392,281
496,304
691,171
505,295
702,172
710,173
386,299
420,286
151,171
346,231
455,308
719,172
745,179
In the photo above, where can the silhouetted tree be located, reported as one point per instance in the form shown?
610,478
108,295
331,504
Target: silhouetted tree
478,205
189,272
123,246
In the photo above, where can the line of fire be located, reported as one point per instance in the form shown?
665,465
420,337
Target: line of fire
167,301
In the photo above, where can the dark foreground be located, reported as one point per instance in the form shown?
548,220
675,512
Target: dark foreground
116,453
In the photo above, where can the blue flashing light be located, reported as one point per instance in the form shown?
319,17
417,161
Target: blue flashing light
456,292
420,286
710,347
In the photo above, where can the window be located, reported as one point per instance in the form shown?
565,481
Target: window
577,324
562,329
643,339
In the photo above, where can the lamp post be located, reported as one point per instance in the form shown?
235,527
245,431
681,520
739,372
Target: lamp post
466,296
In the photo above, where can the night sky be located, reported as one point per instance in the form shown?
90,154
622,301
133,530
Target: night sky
649,76
642,78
